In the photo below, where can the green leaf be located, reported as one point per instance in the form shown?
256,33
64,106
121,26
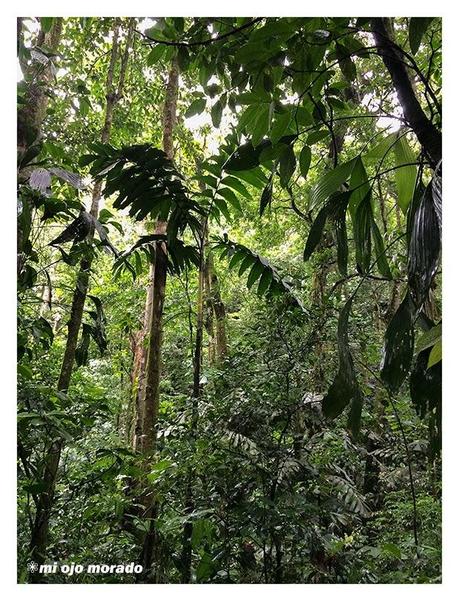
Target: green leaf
429,338
287,164
405,177
266,197
336,204
261,125
362,234
46,23
398,346
216,113
344,388
245,157
330,182
195,108
265,282
254,274
381,258
305,160
316,136
155,54
280,126
236,185
418,27
382,148
435,354
341,240
231,197
222,207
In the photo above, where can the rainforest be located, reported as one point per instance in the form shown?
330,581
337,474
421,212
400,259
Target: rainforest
229,300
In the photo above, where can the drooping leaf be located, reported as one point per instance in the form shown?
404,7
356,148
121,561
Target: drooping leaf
287,164
417,28
362,234
330,182
305,160
381,258
345,387
266,197
405,177
243,259
398,346
424,247
335,206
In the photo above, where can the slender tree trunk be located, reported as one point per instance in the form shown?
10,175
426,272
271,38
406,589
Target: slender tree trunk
39,535
209,315
197,389
219,310
149,405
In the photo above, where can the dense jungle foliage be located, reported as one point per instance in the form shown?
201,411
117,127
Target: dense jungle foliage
229,299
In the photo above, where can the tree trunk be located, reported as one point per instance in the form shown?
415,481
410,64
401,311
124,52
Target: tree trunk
38,76
197,389
149,404
219,310
428,135
39,535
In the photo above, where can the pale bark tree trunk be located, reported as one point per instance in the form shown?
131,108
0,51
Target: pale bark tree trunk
40,530
38,77
149,403
219,311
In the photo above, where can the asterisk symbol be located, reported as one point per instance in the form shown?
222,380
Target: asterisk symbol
32,566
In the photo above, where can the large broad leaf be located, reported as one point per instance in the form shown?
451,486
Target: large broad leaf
418,27
424,247
398,346
330,183
362,234
345,387
405,177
